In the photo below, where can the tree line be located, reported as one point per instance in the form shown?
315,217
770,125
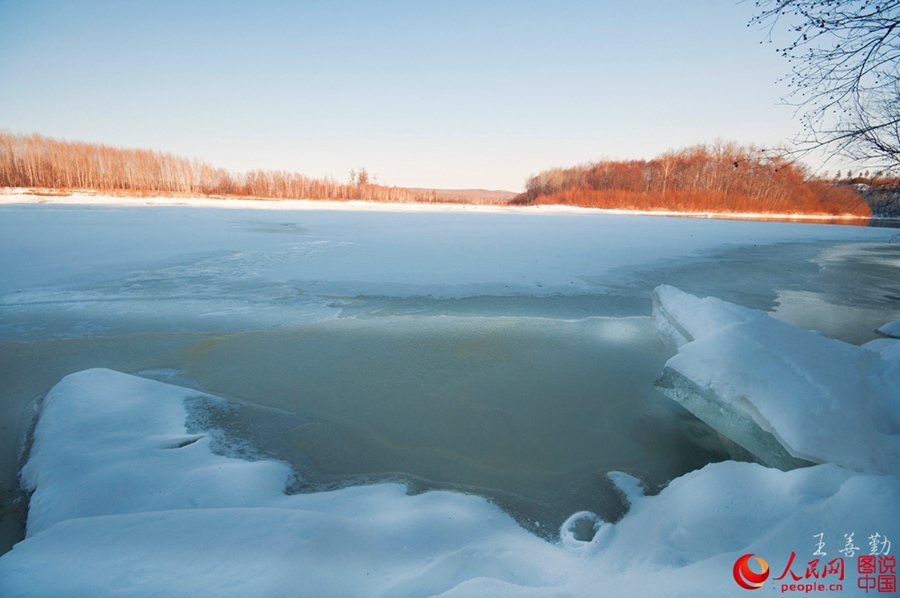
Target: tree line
880,190
722,177
35,161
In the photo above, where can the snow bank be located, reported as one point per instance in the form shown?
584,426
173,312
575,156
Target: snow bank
754,378
107,443
126,502
21,195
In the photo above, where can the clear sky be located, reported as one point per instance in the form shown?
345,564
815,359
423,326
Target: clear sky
453,94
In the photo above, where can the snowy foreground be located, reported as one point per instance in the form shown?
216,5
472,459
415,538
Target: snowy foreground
130,499
127,502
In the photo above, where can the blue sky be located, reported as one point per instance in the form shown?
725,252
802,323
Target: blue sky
435,94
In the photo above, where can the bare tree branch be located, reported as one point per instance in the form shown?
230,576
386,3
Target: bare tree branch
845,73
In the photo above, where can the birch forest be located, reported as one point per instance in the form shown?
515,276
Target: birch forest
38,162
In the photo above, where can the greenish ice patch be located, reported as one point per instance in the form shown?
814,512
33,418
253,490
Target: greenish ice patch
530,412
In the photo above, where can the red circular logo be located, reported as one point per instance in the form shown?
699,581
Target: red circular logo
745,577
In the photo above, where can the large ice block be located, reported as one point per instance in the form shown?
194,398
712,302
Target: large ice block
743,437
785,395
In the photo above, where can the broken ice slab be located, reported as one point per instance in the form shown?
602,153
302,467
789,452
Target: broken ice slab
786,396
744,439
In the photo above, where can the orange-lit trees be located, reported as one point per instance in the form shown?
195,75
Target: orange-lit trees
34,161
722,177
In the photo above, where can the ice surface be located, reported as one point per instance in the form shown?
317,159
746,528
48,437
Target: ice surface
169,290
528,411
765,384
57,252
126,503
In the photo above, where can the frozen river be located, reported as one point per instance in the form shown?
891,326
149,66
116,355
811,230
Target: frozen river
509,354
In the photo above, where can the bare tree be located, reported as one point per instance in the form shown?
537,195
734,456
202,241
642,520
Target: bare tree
34,161
845,73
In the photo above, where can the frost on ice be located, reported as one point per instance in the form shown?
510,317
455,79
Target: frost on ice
788,397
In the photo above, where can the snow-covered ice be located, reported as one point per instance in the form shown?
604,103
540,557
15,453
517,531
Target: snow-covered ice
890,329
127,502
131,497
752,378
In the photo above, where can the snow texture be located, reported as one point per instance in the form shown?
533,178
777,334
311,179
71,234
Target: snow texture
752,377
127,503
